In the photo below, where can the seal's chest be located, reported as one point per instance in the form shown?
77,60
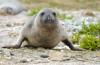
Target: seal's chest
48,42
48,39
44,38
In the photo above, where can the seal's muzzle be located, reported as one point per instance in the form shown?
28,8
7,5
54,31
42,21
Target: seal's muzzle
49,19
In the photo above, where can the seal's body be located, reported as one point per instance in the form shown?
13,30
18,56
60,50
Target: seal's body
44,30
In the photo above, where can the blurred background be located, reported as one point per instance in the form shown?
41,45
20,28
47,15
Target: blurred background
64,4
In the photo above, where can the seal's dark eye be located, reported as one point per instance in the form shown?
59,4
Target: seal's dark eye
54,13
42,13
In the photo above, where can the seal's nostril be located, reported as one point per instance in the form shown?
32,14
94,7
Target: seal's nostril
48,17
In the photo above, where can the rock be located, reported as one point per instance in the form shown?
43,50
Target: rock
25,60
12,54
44,56
8,25
88,13
1,51
11,8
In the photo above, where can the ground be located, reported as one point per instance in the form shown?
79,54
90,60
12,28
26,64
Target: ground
9,31
40,56
10,27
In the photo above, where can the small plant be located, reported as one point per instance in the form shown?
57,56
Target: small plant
90,42
61,16
93,29
69,17
64,16
33,11
75,38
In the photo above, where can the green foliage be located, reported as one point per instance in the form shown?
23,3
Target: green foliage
33,11
75,38
90,42
93,29
63,17
69,17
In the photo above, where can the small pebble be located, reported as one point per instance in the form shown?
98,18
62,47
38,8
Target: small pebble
44,56
8,25
1,51
12,54
25,60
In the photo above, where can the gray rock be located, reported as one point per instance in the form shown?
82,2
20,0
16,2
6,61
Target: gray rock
11,8
44,56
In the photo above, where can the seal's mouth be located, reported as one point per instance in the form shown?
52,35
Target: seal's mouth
49,23
49,20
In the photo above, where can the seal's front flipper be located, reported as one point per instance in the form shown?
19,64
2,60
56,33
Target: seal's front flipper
70,45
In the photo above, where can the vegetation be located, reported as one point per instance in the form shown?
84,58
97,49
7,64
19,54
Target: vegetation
90,42
88,37
34,11
92,29
76,38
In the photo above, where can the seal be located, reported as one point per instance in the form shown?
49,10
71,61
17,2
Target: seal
44,30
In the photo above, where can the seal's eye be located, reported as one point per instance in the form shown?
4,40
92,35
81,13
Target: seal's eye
42,13
54,13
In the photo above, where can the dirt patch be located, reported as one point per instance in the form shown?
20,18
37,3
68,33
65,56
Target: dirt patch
31,56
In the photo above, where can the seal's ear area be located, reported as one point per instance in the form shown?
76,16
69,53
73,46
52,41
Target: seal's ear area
70,45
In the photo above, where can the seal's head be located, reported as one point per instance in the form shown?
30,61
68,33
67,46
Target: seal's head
47,18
